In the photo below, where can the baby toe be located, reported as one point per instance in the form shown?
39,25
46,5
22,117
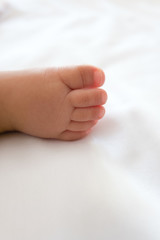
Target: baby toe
88,97
73,135
81,126
88,114
82,76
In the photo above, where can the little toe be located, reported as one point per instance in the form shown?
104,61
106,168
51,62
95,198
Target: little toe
81,126
88,113
72,135
82,77
88,97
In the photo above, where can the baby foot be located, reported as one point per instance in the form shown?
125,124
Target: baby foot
60,103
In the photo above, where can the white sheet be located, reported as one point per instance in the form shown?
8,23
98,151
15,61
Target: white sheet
106,186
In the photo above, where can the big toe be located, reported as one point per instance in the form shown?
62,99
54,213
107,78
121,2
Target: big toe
82,77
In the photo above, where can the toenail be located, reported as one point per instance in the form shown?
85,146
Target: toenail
101,113
104,97
98,77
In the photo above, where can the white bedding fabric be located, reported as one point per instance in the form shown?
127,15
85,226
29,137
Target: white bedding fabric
106,186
